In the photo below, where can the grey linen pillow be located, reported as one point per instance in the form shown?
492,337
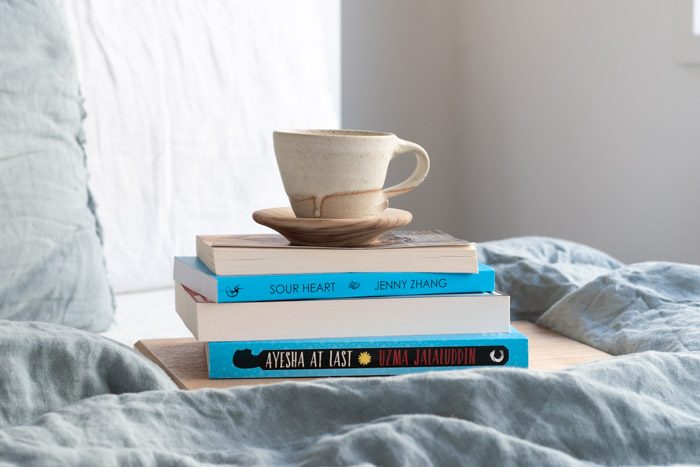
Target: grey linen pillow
51,261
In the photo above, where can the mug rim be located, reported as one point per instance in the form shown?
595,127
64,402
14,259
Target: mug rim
333,133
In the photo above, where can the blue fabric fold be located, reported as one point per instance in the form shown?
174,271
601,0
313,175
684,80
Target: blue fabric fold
538,271
646,306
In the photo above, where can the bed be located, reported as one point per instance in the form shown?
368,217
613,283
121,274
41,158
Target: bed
87,399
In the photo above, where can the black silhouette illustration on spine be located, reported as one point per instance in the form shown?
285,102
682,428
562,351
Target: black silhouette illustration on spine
233,292
245,359
354,285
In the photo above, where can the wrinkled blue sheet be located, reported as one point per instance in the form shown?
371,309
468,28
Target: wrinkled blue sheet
69,397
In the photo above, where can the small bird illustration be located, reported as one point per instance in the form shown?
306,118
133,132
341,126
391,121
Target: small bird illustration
233,292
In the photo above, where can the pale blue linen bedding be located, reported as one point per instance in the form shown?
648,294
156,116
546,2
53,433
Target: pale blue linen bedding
69,397
51,263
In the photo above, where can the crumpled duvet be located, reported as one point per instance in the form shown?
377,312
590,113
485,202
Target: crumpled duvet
68,397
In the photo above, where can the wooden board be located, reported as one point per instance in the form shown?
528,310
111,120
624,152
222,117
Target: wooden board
184,360
551,351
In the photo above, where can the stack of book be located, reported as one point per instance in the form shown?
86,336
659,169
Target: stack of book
415,301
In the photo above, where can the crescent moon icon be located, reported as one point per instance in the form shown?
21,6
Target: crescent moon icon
499,359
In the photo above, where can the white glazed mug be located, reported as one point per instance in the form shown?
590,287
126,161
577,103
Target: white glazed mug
340,174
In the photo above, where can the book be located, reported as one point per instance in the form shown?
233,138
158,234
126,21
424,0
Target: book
195,275
373,356
397,251
357,317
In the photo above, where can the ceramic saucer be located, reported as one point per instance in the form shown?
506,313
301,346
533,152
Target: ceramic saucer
331,232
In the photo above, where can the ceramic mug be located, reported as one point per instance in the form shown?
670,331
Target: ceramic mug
340,174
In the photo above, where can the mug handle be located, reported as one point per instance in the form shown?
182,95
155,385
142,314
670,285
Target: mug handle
419,173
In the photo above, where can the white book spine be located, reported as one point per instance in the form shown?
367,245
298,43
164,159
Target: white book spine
356,317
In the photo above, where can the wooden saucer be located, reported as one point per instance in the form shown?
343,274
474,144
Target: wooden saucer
331,232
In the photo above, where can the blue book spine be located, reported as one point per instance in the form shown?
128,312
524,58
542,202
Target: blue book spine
374,356
193,274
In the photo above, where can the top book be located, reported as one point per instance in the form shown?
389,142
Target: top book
398,251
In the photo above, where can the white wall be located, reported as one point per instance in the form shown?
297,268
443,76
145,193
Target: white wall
399,75
561,117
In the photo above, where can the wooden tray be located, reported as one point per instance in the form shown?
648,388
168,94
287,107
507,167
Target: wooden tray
185,362
331,232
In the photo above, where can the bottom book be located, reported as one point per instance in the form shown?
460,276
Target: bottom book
366,356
